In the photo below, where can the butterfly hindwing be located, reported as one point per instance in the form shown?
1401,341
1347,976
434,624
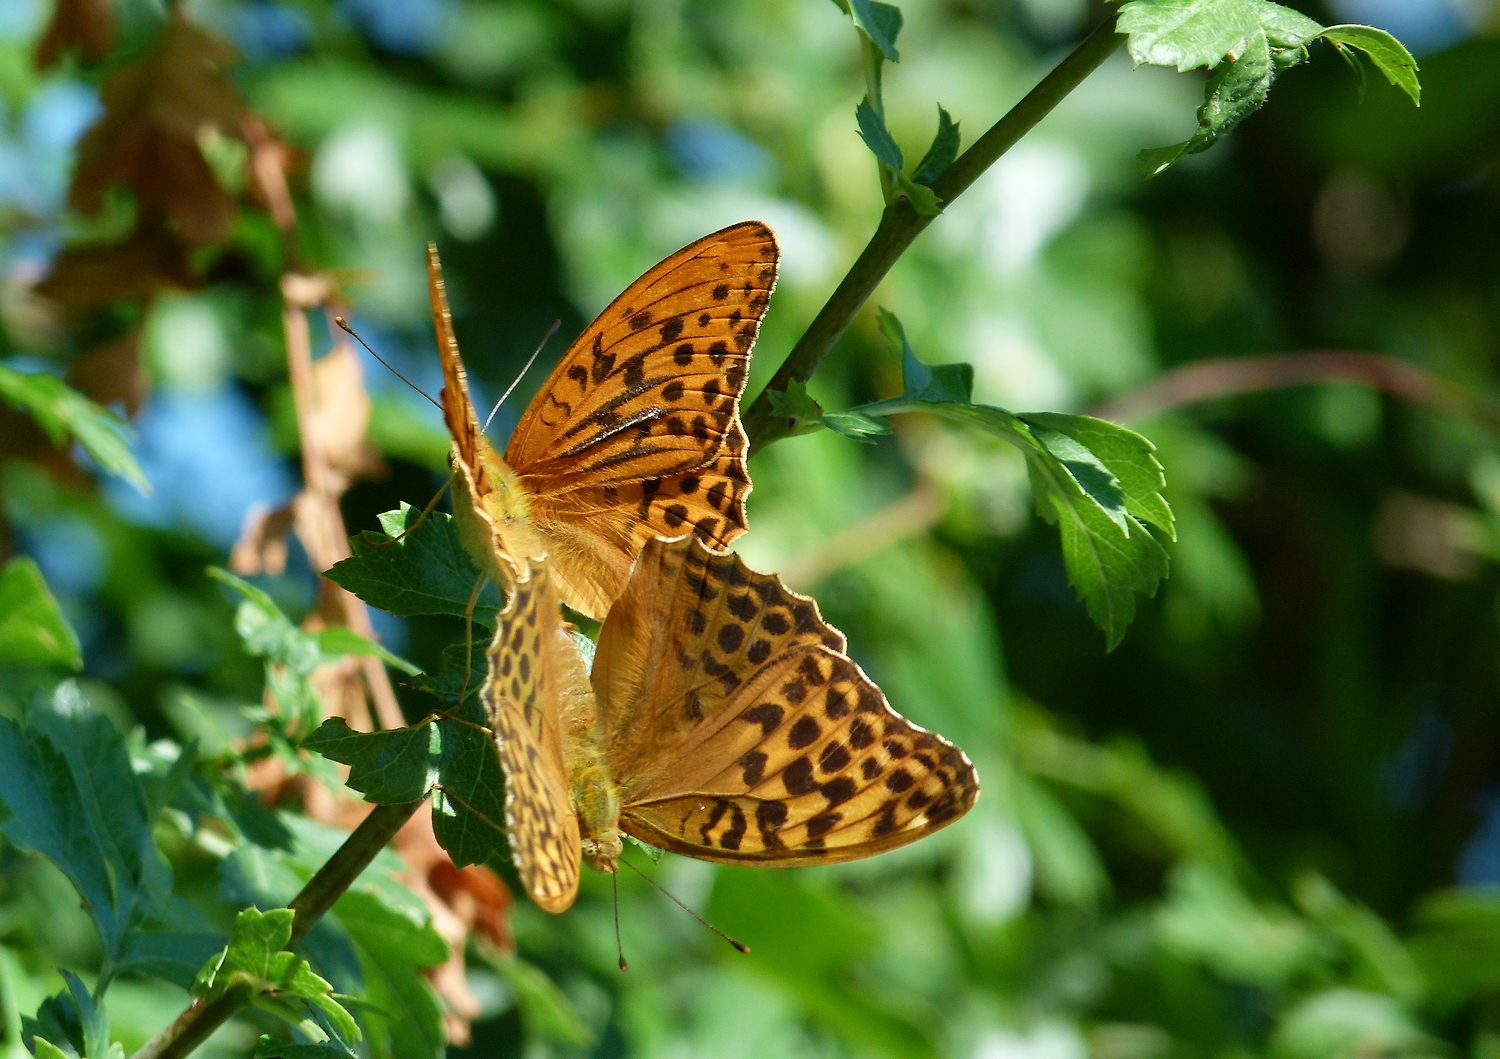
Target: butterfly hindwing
738,730
534,671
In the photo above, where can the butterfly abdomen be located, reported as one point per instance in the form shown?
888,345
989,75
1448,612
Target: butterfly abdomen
596,800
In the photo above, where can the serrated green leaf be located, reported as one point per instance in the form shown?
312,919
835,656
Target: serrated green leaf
73,1024
877,137
1250,42
33,630
880,22
1188,34
461,672
1387,53
943,151
342,640
468,808
256,959
427,571
1105,567
1238,90
391,767
62,411
1128,457
68,793
920,196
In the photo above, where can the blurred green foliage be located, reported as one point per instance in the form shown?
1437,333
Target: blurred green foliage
1266,825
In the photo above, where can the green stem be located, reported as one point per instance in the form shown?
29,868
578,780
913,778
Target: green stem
900,225
198,1022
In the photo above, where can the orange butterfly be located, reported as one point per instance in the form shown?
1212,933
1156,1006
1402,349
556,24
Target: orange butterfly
722,721
635,433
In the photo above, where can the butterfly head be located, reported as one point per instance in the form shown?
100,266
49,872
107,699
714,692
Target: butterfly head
603,851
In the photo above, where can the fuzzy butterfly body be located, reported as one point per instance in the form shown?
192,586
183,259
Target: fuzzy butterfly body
636,432
723,721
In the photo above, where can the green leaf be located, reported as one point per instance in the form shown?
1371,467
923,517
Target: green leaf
72,1024
390,768
267,632
68,793
172,955
272,1048
1254,40
808,416
461,673
1100,498
33,630
468,808
919,195
545,1008
943,151
426,571
342,640
1187,34
880,22
62,411
1107,568
877,137
256,960
924,382
405,1019
1126,456
797,405
1387,53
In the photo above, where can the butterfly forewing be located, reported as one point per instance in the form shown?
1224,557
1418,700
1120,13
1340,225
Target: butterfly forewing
637,431
739,731
534,675
651,387
458,406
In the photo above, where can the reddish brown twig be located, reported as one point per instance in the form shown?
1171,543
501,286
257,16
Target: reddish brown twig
1206,380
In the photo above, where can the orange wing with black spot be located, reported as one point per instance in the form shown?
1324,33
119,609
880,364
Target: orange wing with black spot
636,433
739,731
535,677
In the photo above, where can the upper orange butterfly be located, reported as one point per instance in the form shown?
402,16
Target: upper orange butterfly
635,434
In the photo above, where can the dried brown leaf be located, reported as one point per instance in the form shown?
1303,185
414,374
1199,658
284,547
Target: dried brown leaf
155,110
87,25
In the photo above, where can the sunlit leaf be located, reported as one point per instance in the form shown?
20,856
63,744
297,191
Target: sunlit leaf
390,767
426,571
33,630
63,412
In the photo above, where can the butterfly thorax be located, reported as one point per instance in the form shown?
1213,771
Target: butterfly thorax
490,503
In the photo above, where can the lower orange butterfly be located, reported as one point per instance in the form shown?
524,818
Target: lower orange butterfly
722,720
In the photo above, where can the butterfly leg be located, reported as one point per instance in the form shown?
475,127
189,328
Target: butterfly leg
413,527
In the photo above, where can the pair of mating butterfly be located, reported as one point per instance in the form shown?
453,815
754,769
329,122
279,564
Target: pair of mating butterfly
722,719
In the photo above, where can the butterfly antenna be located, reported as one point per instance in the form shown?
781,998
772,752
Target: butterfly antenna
344,325
615,878
740,945
550,332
